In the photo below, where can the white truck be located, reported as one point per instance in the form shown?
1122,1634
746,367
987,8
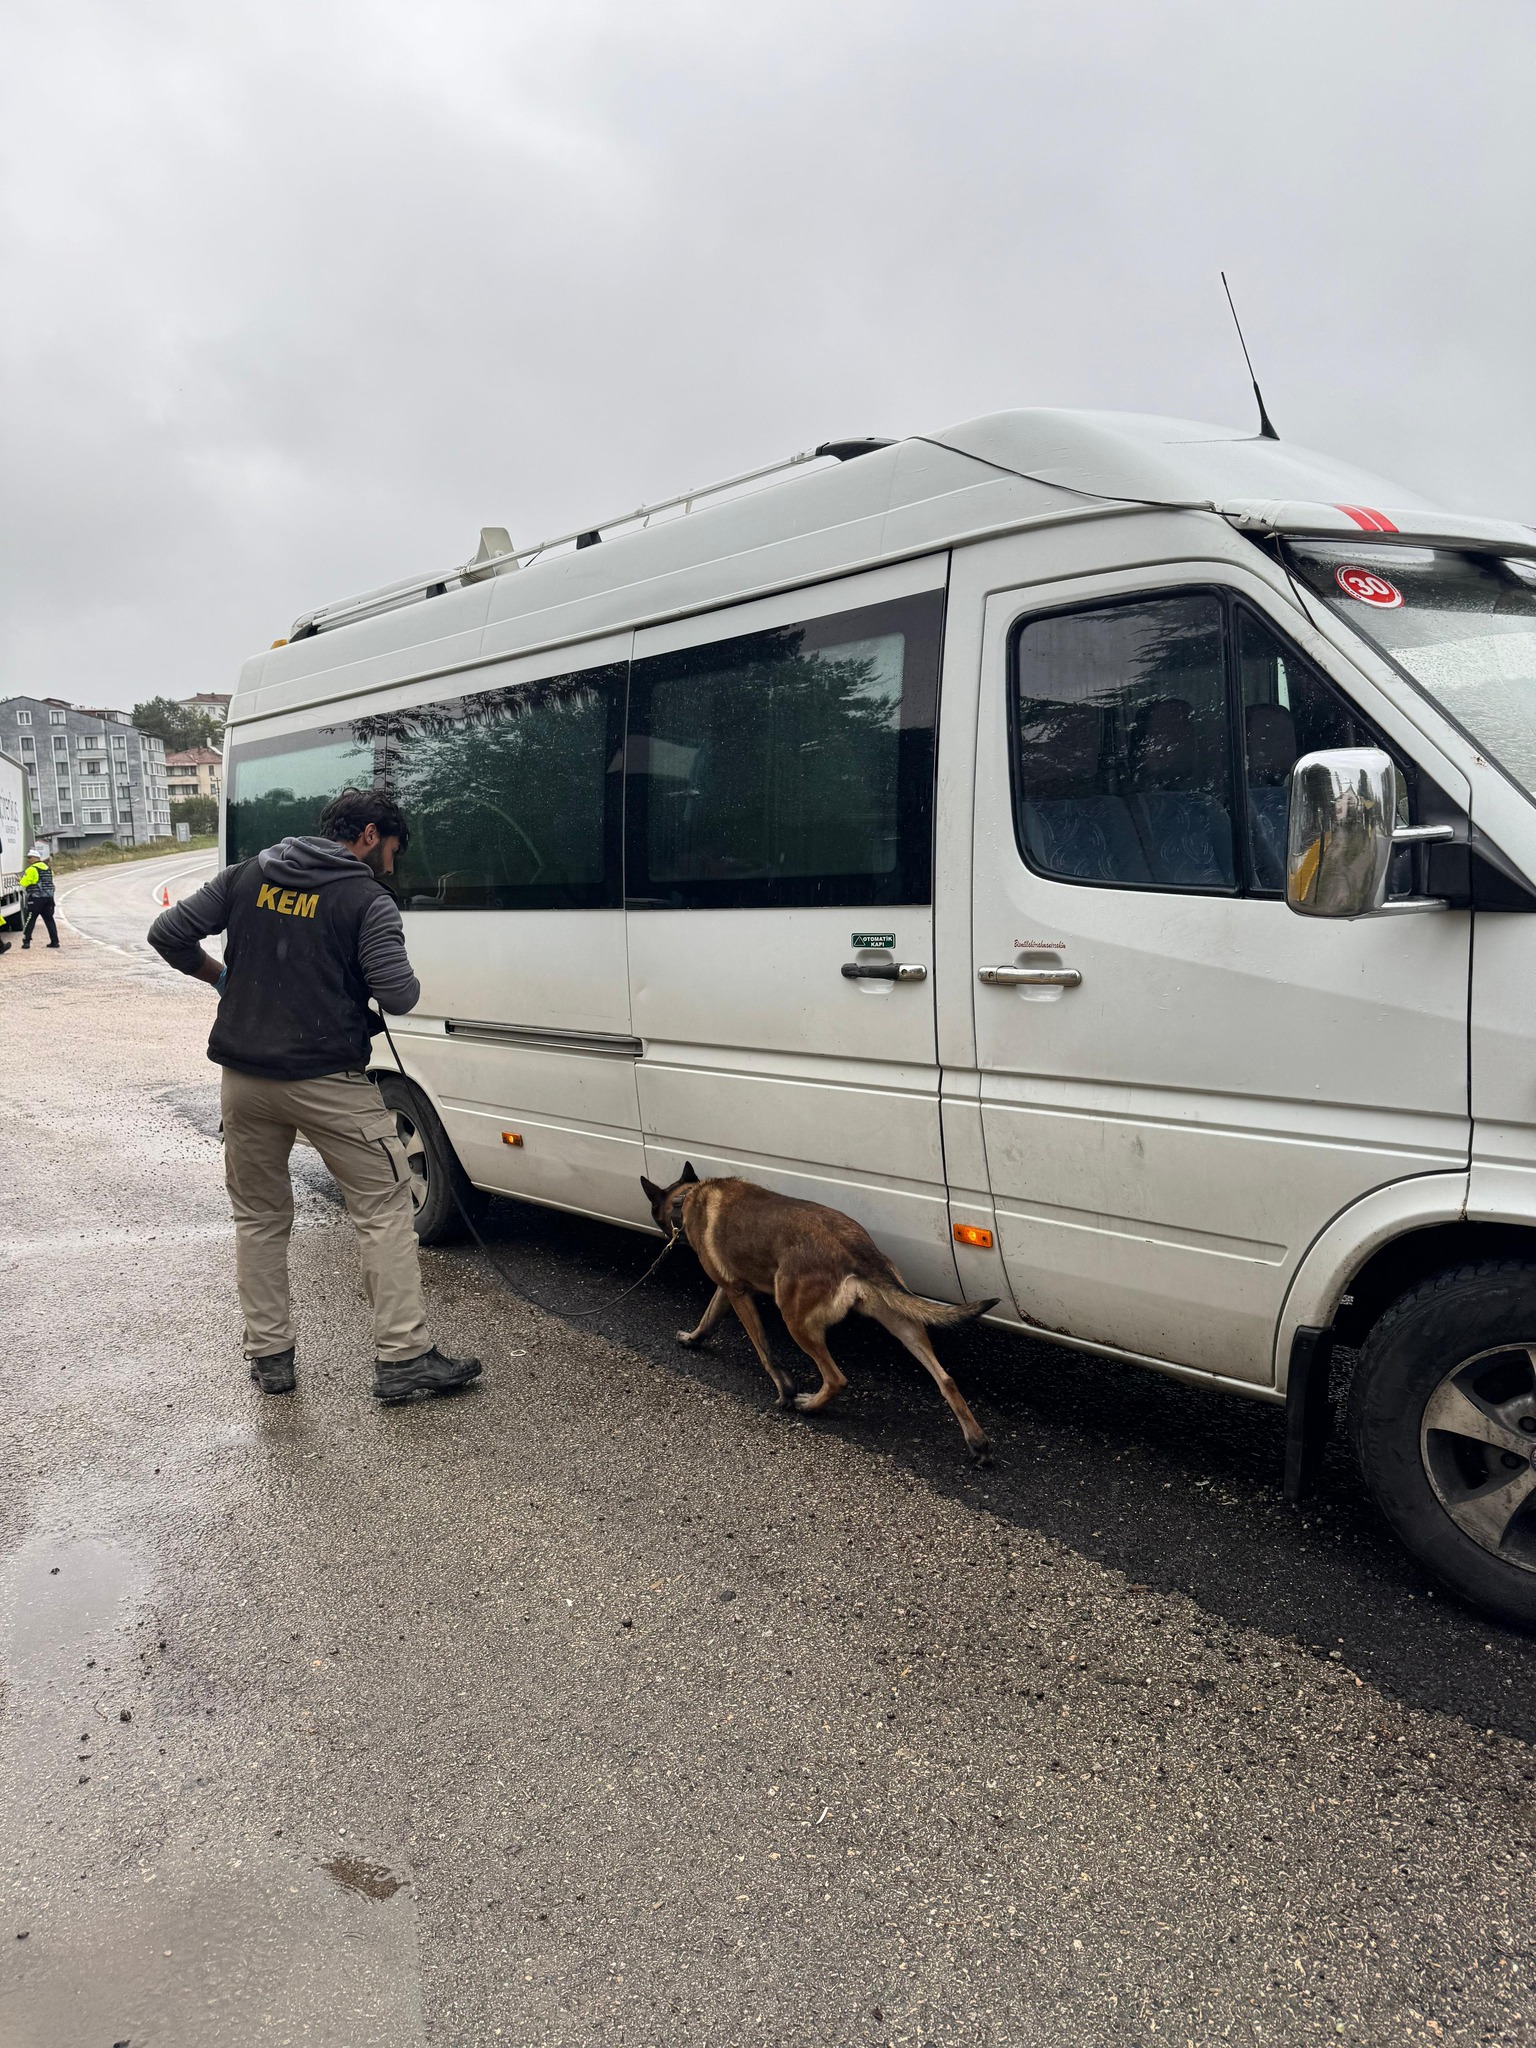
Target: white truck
15,835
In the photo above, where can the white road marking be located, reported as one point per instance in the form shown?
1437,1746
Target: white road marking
115,894
188,865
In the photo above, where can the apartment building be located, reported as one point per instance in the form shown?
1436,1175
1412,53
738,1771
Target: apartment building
210,701
93,775
193,772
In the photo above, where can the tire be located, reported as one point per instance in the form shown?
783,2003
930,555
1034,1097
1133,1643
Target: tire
1442,1414
436,1175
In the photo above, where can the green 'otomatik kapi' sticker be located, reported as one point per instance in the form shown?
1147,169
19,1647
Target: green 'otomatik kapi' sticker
873,939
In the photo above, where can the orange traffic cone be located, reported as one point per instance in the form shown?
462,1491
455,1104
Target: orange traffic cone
165,894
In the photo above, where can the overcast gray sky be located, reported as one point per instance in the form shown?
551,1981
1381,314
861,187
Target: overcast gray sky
300,294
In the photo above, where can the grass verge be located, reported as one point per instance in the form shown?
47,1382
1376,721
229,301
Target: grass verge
108,856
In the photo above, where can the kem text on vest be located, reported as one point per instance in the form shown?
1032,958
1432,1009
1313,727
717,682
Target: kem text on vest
288,902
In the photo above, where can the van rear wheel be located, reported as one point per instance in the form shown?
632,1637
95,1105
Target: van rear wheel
1443,1418
436,1175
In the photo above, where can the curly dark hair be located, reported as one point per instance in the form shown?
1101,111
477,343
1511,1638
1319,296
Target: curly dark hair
348,815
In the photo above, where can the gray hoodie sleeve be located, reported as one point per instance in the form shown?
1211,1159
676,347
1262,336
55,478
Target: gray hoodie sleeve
381,955
177,933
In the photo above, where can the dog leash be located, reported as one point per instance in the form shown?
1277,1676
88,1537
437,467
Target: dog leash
569,1315
513,1286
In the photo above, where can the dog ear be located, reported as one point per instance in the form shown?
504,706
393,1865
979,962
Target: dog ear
688,1172
653,1194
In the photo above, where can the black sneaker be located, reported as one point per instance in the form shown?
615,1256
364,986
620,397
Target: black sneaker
431,1373
274,1373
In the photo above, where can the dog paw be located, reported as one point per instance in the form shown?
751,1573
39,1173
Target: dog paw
981,1452
687,1339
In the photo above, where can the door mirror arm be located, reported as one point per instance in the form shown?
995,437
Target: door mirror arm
1479,874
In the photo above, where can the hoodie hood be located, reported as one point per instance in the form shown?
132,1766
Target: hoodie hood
310,863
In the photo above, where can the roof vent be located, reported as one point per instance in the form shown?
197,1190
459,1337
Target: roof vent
494,541
588,540
850,451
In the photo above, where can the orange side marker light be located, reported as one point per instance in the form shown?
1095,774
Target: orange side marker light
972,1233
511,1137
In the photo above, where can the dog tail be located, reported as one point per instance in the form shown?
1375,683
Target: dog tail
936,1314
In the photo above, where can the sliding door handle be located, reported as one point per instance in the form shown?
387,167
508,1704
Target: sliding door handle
1029,977
881,970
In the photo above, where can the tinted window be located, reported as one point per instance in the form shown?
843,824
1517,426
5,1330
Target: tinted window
514,796
1288,710
1122,745
788,767
278,788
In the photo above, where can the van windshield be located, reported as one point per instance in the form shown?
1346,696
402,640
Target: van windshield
1458,623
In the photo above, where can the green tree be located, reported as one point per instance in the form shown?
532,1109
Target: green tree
200,812
179,725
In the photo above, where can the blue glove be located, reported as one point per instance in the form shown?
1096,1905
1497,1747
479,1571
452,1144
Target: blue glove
218,986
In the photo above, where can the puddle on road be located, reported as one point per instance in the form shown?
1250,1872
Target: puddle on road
184,1942
248,1947
67,1599
373,1880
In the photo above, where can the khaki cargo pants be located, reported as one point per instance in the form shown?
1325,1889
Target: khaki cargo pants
345,1118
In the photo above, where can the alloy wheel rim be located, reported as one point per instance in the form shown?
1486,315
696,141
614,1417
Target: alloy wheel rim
1477,1438
415,1157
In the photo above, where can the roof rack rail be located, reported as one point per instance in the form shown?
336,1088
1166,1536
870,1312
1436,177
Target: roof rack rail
496,555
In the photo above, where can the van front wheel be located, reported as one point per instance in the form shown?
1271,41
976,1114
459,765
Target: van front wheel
436,1174
1443,1418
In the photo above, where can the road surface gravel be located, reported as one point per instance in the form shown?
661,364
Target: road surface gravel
607,1704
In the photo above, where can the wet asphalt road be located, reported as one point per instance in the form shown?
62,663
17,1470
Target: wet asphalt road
117,905
606,1704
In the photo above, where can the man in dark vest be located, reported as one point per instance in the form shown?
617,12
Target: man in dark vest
311,935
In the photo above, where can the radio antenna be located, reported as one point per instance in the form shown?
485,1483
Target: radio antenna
1266,424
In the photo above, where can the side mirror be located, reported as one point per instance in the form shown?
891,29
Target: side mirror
1340,832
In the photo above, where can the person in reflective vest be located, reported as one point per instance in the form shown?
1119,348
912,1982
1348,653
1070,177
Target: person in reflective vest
37,896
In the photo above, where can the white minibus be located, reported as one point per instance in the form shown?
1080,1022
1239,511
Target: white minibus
1093,851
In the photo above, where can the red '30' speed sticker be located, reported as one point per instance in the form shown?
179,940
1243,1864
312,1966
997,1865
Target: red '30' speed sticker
1370,588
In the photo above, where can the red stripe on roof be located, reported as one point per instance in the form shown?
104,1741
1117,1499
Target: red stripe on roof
1362,515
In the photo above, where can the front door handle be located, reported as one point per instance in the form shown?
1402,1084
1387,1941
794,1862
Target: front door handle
1030,977
881,970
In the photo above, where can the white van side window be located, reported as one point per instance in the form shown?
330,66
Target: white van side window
1122,752
279,787
788,767
514,796
1123,719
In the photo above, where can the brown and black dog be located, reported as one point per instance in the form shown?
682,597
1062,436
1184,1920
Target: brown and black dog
817,1264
